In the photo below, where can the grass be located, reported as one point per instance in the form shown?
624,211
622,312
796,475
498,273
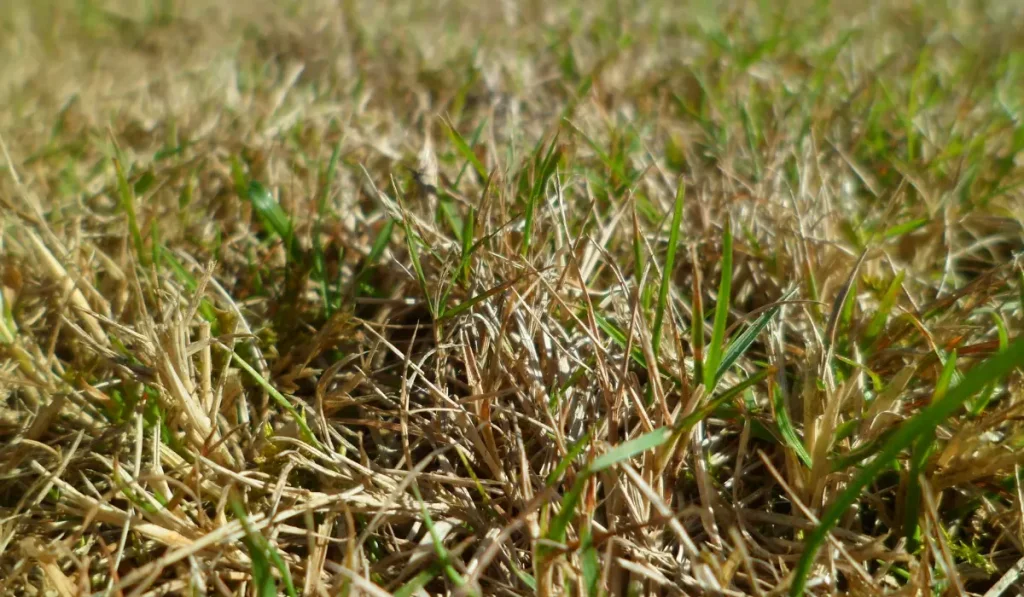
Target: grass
542,298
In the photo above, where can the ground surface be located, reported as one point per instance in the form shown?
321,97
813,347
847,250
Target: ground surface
510,298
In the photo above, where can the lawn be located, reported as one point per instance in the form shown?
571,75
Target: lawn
338,297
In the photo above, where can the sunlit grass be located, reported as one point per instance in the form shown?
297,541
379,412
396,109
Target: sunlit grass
537,298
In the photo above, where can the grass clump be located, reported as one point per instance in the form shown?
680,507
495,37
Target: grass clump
615,298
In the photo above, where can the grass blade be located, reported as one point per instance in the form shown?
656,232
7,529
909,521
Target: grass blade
414,256
714,355
468,303
740,345
466,151
670,261
273,216
624,451
629,449
127,197
697,325
547,169
263,554
319,258
278,397
467,244
785,424
884,308
919,456
442,552
563,465
990,371
590,564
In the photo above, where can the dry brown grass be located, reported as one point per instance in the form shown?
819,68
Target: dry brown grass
195,401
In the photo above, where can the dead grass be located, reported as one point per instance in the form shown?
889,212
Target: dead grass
364,298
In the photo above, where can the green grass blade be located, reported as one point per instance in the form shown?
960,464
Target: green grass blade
417,582
590,564
414,256
714,355
904,228
990,371
466,151
263,555
619,337
262,578
785,424
307,433
708,409
127,197
629,449
697,329
468,303
742,342
472,142
319,258
670,261
442,552
563,465
273,216
546,170
884,308
376,251
206,309
624,451
467,244
923,447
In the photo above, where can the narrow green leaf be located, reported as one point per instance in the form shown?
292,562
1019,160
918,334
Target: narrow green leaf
442,552
144,183
380,243
263,555
262,578
571,454
742,342
990,371
238,176
528,580
949,373
1003,335
547,169
417,582
128,205
319,257
697,329
278,397
628,449
476,138
708,409
468,303
785,425
922,448
860,453
591,566
884,308
414,256
670,261
624,451
714,355
467,244
619,337
273,216
466,151
904,228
